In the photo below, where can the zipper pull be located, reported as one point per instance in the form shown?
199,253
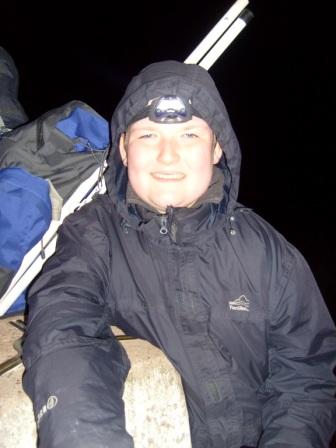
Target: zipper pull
164,228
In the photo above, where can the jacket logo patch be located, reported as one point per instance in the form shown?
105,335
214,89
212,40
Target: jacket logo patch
51,403
240,304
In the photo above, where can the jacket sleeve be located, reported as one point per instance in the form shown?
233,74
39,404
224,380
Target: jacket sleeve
75,368
300,406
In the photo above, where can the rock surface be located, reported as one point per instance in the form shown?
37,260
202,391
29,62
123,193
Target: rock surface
155,408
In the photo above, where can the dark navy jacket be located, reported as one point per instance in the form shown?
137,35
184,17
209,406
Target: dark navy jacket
232,304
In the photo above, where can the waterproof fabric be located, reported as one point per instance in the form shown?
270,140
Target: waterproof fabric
63,148
233,305
64,145
11,111
25,215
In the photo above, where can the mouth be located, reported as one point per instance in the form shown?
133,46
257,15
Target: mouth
167,177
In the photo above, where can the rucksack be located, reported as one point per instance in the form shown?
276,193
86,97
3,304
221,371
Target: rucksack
42,164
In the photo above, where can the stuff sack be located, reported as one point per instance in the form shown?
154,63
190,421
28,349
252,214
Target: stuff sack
25,215
41,164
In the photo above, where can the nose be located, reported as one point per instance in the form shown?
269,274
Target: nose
168,152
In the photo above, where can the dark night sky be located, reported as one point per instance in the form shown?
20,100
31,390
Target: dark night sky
276,80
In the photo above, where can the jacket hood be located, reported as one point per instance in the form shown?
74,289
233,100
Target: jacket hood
188,81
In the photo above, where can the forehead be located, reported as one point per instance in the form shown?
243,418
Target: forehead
147,124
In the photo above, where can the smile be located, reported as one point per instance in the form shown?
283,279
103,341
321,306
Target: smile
167,177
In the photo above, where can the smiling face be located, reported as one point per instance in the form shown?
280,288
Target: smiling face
169,164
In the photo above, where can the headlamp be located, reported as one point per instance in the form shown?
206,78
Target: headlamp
170,109
166,109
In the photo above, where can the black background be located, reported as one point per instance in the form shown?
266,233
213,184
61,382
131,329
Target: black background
276,79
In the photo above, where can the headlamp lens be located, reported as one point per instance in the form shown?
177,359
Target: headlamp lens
170,109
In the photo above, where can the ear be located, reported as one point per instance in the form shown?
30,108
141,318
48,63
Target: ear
217,154
122,149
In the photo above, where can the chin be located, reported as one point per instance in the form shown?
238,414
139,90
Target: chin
162,208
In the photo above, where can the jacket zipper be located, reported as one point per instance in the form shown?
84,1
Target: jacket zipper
163,223
168,226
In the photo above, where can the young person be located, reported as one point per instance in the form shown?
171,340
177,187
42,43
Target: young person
170,256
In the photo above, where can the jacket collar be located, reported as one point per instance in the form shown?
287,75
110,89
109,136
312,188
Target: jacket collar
214,193
181,224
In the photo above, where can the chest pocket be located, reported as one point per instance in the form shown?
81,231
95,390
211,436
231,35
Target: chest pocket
241,326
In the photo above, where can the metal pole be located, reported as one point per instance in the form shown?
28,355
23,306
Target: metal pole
211,57
216,32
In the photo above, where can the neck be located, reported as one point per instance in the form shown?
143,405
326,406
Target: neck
214,194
